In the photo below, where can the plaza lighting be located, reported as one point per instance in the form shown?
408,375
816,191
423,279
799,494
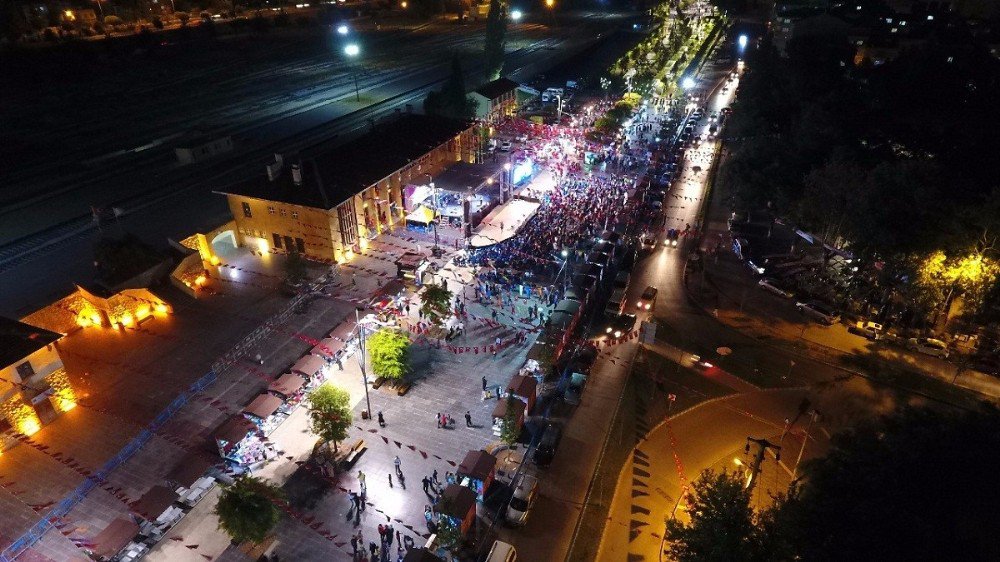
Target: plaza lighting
743,40
343,29
688,83
352,50
550,3
516,15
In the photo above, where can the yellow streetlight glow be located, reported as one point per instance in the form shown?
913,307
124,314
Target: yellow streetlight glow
550,3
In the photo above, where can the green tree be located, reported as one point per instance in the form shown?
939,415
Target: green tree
330,413
451,101
496,39
915,485
448,533
723,525
246,509
509,429
389,351
436,303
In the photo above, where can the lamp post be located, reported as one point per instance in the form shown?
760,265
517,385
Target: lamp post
352,50
361,357
507,180
437,213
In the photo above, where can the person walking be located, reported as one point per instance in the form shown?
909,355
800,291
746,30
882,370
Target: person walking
434,476
354,547
439,420
484,384
381,419
390,480
426,482
468,419
397,463
361,480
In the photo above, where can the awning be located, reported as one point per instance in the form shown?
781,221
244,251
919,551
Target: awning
521,385
345,330
457,501
153,503
189,470
263,406
288,384
411,260
328,347
478,465
232,432
114,537
309,365
422,215
500,410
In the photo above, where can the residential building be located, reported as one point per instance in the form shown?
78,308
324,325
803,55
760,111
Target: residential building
329,205
33,385
496,100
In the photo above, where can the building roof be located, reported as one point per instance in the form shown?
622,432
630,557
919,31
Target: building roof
308,365
153,503
521,385
477,464
114,537
457,501
263,406
19,340
500,86
332,177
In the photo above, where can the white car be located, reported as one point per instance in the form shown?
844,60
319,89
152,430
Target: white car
771,285
505,146
928,346
524,497
819,312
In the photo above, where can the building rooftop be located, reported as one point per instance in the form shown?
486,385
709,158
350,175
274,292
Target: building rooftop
332,177
19,340
500,86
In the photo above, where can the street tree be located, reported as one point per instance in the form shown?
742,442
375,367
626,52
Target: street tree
448,533
436,303
389,350
451,101
246,509
882,490
723,525
330,413
509,429
496,39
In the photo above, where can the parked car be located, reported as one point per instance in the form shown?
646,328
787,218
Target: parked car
672,235
772,285
547,445
505,146
648,242
868,330
502,552
574,390
622,279
647,299
620,325
928,346
524,497
818,311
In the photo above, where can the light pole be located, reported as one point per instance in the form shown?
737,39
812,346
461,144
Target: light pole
361,357
352,50
813,416
507,181
437,213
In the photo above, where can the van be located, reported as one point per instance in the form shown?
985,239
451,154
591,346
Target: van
547,445
502,552
616,303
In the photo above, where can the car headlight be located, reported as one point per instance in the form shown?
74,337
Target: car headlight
648,305
618,333
607,330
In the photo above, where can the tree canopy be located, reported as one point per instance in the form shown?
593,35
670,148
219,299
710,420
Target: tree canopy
496,40
330,413
451,100
436,303
389,351
246,509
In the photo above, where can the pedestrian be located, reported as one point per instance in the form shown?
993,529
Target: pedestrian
381,419
354,280
390,480
340,364
399,542
397,462
374,549
402,480
354,546
426,482
434,476
468,419
439,420
484,384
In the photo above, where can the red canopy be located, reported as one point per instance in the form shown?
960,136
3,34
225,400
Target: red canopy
114,537
287,385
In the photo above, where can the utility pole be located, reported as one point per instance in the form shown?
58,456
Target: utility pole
813,416
762,446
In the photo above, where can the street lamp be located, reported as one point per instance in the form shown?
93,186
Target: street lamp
507,181
688,83
361,357
343,29
743,40
352,50
516,15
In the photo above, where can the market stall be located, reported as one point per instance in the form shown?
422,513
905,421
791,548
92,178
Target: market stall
500,411
289,387
311,367
525,389
410,265
265,411
157,511
329,349
458,504
113,539
190,478
241,443
476,472
345,330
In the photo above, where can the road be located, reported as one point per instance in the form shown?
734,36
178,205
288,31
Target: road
174,201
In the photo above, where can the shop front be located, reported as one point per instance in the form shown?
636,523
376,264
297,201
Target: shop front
500,412
476,472
241,444
458,504
313,368
156,511
266,412
290,387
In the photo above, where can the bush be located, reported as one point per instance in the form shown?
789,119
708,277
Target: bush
157,22
111,21
182,17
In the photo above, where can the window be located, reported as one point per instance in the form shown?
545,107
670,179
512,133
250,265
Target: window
25,371
270,210
277,240
282,212
300,245
246,210
295,214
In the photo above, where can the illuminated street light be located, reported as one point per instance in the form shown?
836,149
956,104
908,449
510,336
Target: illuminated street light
343,29
743,41
688,83
550,3
352,50
403,4
516,15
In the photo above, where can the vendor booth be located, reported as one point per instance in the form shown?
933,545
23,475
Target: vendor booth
157,511
265,412
240,443
328,348
191,480
458,504
289,387
115,537
500,410
410,265
421,217
476,472
311,367
525,389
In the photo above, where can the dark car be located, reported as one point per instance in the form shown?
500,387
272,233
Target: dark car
620,325
547,445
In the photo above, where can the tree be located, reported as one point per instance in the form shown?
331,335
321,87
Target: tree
723,525
295,267
246,509
451,101
496,32
389,351
330,413
436,303
448,533
510,431
883,488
